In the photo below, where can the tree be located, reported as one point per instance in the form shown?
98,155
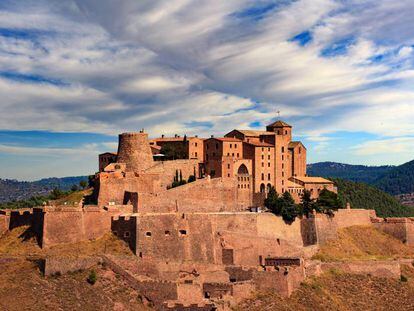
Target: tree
327,202
271,202
282,206
307,203
74,188
83,184
92,278
288,209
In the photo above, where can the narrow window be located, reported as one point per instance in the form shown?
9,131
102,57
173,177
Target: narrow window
196,154
167,232
228,166
126,234
183,232
148,233
283,149
231,146
268,176
262,176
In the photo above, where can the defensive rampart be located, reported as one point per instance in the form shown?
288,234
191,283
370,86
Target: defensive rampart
400,228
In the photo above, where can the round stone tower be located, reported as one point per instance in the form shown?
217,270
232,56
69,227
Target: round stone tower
134,150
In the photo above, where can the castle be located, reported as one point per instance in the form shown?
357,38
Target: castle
190,210
255,160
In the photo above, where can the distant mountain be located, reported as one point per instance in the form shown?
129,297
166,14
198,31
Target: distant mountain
11,190
398,180
357,173
361,195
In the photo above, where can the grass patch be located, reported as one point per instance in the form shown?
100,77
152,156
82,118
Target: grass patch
363,243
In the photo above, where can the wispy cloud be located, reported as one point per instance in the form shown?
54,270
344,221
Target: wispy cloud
106,66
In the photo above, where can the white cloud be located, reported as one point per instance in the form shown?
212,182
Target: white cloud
187,66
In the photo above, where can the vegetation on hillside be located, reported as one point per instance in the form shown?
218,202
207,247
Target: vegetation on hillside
75,194
391,179
363,243
361,195
398,180
13,190
342,292
358,173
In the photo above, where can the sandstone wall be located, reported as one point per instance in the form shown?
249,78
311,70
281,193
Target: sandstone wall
215,238
284,281
4,223
62,265
167,170
400,228
71,225
384,269
203,195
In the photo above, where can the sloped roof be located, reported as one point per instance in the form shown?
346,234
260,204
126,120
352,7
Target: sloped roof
312,180
230,139
260,144
254,133
293,144
279,123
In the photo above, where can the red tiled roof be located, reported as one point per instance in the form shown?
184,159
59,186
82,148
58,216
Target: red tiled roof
279,123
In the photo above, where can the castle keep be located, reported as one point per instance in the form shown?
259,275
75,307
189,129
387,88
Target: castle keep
204,243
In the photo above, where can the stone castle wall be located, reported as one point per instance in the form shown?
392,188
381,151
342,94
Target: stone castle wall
400,228
72,225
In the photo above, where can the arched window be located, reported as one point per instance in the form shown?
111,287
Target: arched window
262,188
242,170
269,186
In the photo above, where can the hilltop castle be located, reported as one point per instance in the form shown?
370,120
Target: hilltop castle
189,209
251,161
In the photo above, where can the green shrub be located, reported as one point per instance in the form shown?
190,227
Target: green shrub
93,277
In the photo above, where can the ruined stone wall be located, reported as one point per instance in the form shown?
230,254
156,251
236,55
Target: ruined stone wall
383,269
62,265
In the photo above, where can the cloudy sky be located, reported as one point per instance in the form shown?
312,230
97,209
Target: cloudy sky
75,73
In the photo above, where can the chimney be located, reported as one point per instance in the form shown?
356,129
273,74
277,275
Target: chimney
212,136
162,136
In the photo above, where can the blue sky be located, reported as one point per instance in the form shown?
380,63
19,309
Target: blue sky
75,73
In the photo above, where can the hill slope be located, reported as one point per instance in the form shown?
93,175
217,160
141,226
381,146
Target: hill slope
358,173
398,180
361,195
13,190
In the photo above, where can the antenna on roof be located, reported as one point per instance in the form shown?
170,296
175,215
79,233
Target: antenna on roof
278,113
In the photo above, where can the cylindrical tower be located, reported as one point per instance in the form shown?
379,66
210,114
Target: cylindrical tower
134,150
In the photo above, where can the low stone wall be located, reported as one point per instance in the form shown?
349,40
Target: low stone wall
383,268
62,265
400,228
284,280
154,290
4,223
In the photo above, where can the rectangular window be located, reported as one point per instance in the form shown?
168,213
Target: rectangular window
196,144
231,146
235,146
283,149
196,154
238,155
268,164
228,166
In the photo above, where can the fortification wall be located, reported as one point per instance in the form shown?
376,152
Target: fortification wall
168,169
62,265
284,281
113,186
384,269
75,225
4,223
400,228
353,217
203,195
216,238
